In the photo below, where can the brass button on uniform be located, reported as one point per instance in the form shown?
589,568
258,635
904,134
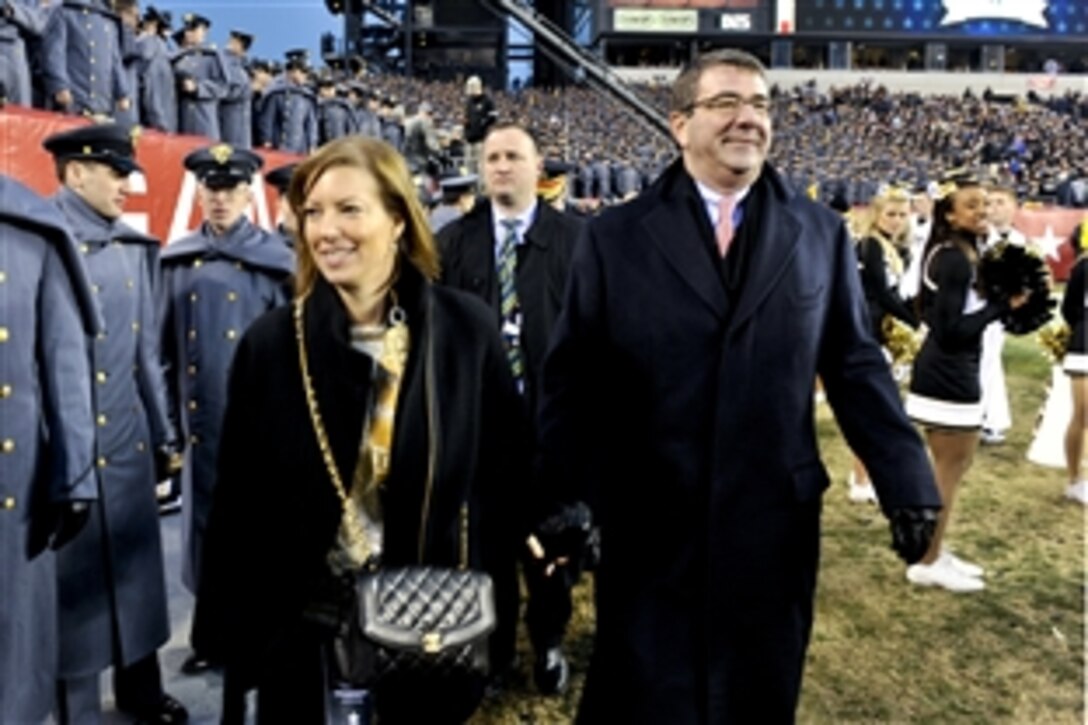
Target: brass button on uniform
232,297
7,446
191,370
231,334
5,391
193,297
84,248
140,446
102,420
198,262
192,334
101,377
4,334
129,283
192,405
9,503
193,440
237,265
3,276
135,326
102,462
95,288
101,336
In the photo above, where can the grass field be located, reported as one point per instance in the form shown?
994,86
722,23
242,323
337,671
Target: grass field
884,651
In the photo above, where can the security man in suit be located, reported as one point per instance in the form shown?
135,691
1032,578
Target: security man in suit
112,589
47,316
216,281
81,59
236,106
288,118
514,252
158,92
201,77
19,20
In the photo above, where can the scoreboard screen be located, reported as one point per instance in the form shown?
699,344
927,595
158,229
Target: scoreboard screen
678,17
995,18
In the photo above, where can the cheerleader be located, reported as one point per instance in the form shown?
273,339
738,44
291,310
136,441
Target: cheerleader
881,259
1074,304
945,395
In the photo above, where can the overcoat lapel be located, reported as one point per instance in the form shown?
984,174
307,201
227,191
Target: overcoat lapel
677,235
772,253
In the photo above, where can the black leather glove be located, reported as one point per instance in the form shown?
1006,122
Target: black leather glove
167,462
564,534
72,516
912,532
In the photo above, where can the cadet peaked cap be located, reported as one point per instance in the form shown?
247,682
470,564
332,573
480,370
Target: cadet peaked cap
154,15
280,177
457,185
223,166
246,39
110,144
191,21
297,59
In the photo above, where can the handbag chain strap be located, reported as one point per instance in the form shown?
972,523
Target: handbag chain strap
353,537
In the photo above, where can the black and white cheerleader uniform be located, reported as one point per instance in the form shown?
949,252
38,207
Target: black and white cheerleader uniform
880,276
1074,304
944,388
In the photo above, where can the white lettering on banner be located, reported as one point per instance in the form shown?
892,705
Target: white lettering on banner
1029,12
183,210
655,21
736,21
138,220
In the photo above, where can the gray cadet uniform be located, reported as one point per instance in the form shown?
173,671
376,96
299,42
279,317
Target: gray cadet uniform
213,288
131,62
289,118
81,53
46,435
198,113
158,93
28,19
336,119
112,582
236,106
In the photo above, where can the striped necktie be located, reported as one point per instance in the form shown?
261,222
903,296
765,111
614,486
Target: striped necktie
508,299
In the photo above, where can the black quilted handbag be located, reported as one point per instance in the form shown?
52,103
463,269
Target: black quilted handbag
425,624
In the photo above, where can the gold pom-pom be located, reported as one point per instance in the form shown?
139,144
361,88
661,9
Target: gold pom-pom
902,341
1054,339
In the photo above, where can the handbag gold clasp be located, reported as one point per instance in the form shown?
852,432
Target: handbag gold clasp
431,642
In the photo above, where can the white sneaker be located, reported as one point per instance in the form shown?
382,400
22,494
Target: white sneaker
991,437
941,575
959,565
860,492
1078,491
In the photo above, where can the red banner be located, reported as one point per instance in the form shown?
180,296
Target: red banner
162,201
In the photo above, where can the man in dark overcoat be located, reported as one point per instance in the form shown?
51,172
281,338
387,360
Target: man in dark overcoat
474,252
216,281
201,79
47,315
112,587
679,388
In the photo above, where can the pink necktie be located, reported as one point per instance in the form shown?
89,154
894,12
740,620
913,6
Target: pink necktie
724,231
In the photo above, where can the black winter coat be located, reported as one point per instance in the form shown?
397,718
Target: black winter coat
275,512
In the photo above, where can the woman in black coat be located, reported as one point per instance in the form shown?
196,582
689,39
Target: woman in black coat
945,393
1074,307
279,538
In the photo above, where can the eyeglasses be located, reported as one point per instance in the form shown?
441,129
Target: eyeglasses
730,104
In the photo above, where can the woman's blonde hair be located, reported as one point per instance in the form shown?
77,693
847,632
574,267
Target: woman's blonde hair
398,197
